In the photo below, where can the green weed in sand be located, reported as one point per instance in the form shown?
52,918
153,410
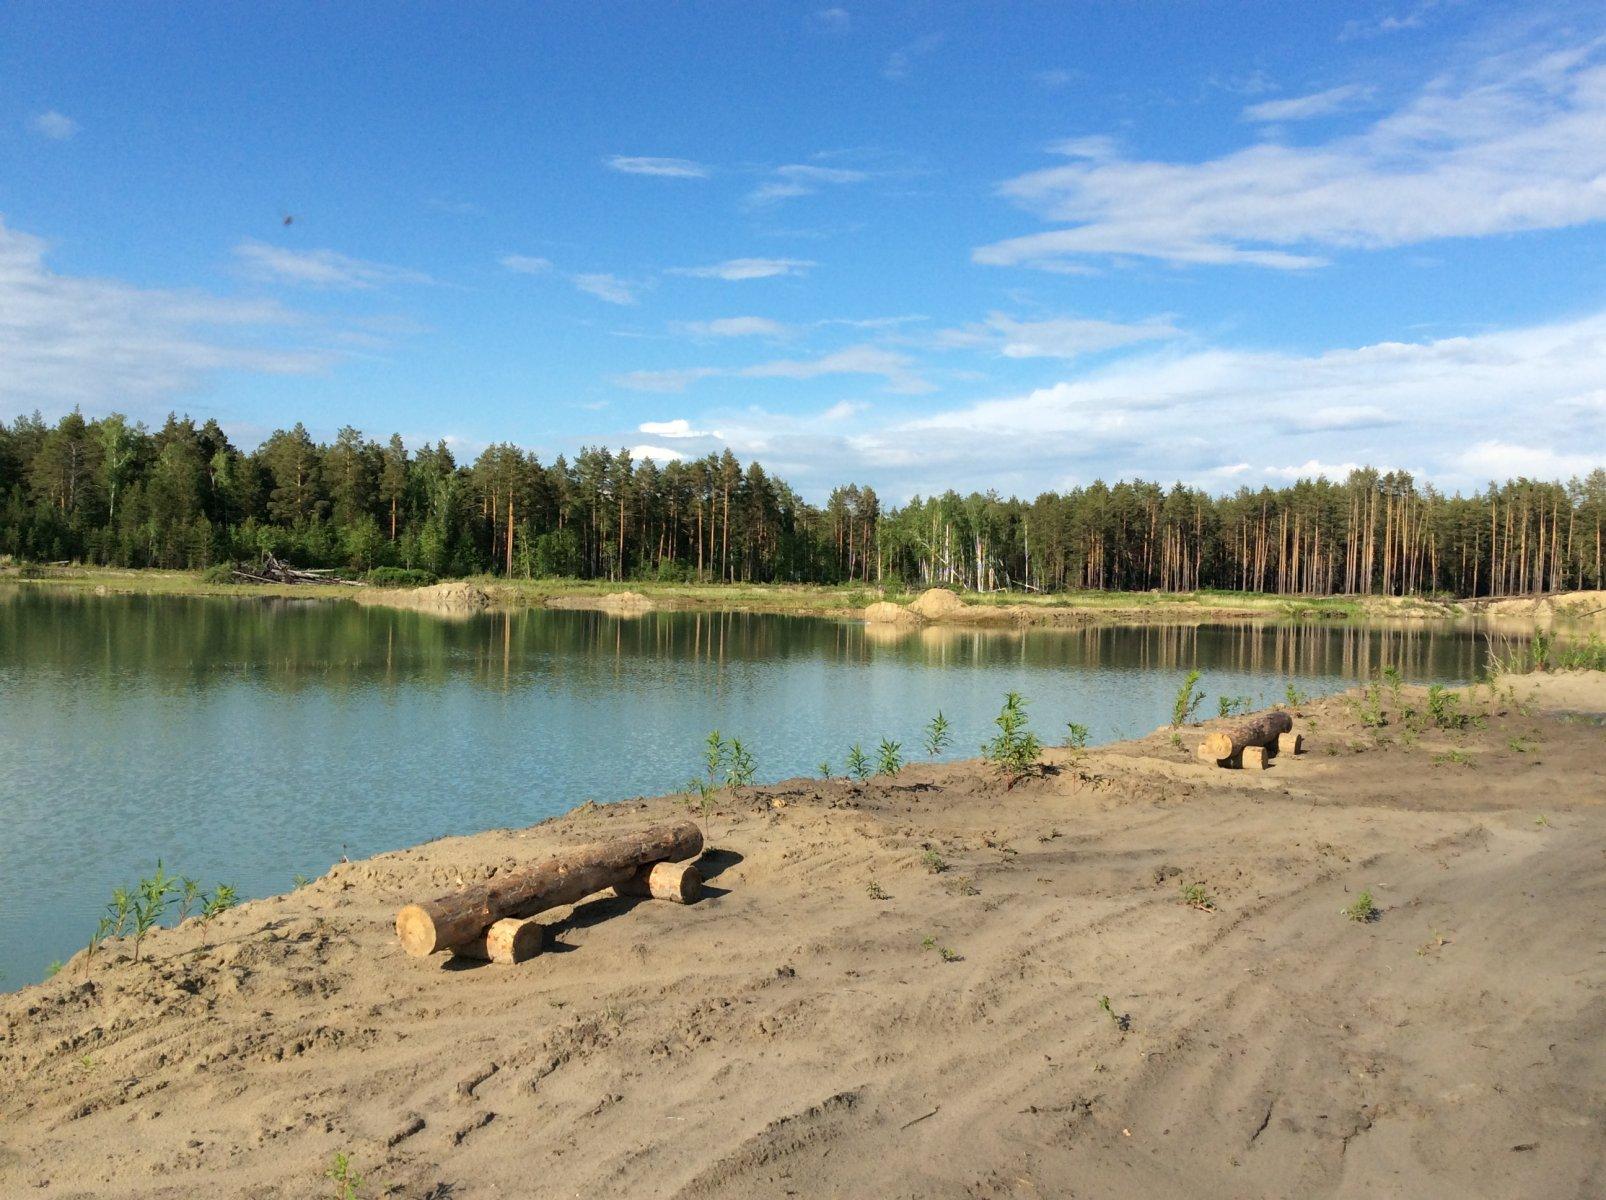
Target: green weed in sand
1187,701
1015,749
1363,910
888,759
858,763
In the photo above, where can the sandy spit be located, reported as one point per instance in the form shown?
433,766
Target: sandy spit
841,1018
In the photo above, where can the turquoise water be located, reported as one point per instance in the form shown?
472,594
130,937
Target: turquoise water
247,741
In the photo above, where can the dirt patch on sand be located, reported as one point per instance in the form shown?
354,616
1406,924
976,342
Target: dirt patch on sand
896,990
457,599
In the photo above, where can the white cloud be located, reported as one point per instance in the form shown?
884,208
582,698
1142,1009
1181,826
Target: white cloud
1498,460
606,287
897,369
104,344
734,269
837,20
54,125
678,428
1522,399
664,168
676,380
1313,468
1057,337
1318,104
319,268
732,327
1519,143
659,454
525,264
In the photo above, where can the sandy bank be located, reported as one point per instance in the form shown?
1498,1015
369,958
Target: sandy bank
619,604
801,1032
456,599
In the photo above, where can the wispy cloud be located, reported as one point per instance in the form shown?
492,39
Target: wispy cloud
1056,337
901,62
54,125
672,380
837,20
733,327
526,264
664,168
103,343
1317,104
897,369
735,269
607,287
802,179
1512,145
320,268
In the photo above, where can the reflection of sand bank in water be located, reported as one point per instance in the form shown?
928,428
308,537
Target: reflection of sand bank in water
459,599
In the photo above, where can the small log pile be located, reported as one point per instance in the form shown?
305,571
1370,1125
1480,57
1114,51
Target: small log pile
1252,743
494,921
276,570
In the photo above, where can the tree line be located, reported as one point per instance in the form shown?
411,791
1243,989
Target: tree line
112,492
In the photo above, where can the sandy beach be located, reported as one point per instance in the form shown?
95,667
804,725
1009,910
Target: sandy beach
896,989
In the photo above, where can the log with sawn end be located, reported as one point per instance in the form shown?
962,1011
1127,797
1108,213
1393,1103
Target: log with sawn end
459,917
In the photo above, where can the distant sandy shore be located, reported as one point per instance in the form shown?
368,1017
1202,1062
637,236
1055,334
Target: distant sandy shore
1574,612
841,1018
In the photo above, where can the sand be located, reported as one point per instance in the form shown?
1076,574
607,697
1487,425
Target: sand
455,599
619,604
795,1035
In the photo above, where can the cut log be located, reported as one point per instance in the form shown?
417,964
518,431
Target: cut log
510,940
1290,743
1260,731
459,917
680,883
1253,758
1206,756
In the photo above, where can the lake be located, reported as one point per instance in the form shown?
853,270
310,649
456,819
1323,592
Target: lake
248,741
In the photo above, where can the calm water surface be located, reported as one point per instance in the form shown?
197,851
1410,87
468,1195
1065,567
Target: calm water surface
246,741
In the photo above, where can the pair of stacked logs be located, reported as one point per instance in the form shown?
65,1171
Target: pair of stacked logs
1250,744
496,921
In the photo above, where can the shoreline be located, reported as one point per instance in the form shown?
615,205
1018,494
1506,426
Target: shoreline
1581,612
894,988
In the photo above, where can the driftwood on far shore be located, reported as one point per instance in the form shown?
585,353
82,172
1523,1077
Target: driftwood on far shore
276,570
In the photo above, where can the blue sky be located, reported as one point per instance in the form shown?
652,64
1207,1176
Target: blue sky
916,245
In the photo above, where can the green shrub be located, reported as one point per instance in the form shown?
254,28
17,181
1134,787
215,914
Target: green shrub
1187,700
1015,749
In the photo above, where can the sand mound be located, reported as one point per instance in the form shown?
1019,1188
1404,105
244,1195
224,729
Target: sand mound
936,602
620,604
895,990
887,613
456,599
